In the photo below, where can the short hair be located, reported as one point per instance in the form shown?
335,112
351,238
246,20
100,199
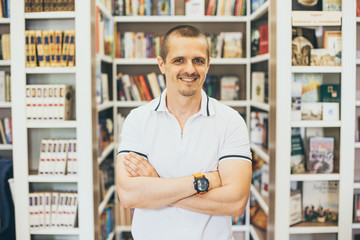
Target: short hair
182,31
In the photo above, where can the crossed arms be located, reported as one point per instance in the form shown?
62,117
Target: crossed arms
139,186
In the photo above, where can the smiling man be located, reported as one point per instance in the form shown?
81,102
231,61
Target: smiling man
184,161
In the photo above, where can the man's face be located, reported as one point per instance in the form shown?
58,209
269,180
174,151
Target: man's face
186,65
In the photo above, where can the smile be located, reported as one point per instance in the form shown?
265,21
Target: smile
188,79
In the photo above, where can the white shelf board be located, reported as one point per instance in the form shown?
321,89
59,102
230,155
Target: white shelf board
261,152
260,58
111,236
6,147
357,61
51,124
261,11
5,62
123,229
312,230
356,226
106,153
129,103
55,231
238,103
259,105
315,123
4,20
50,15
357,103
357,144
53,179
316,69
104,106
228,61
106,200
44,70
104,11
356,185
5,104
104,58
358,19
263,202
315,177
184,19
239,228
135,61
257,234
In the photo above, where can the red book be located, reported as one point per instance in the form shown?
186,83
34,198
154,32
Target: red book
358,8
145,87
263,39
118,45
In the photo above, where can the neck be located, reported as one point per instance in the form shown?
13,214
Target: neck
183,107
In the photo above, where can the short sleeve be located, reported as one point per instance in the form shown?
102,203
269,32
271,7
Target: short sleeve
236,140
131,136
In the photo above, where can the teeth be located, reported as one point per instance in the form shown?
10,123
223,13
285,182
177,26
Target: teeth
188,79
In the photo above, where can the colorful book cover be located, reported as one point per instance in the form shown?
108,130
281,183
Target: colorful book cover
320,201
297,154
310,85
331,5
321,155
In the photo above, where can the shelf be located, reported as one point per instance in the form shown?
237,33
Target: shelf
105,12
5,104
104,106
106,200
259,105
315,177
239,228
316,69
111,236
4,20
357,61
357,103
237,103
130,104
153,61
123,229
263,201
104,58
356,185
184,19
358,19
316,18
311,228
55,231
257,234
357,145
44,70
6,147
53,179
51,124
316,123
261,11
260,58
260,151
5,62
356,226
50,15
106,153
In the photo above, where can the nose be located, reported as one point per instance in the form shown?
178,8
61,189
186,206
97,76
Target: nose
189,68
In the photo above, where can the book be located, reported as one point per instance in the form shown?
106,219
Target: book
255,39
295,207
264,190
40,48
194,8
264,39
65,49
297,154
71,57
331,5
311,111
330,93
232,45
330,111
333,40
321,155
323,57
316,18
303,40
320,201
296,92
104,87
229,87
258,87
310,86
258,128
164,8
306,5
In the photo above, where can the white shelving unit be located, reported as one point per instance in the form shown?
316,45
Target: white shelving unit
82,127
280,168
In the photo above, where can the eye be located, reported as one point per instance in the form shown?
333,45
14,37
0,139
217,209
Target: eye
199,60
178,60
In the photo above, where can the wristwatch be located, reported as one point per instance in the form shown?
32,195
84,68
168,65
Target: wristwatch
201,183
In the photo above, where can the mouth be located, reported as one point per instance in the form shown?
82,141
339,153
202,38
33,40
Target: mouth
188,79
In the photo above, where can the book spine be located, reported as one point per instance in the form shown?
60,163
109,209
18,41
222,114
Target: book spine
40,49
65,49
71,62
58,47
46,42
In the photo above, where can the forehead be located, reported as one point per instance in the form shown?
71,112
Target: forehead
178,45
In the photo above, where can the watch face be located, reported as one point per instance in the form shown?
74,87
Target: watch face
202,184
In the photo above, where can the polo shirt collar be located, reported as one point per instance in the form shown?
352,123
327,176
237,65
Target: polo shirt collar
206,108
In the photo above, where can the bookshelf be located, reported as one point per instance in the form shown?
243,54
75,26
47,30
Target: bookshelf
28,134
356,181
280,176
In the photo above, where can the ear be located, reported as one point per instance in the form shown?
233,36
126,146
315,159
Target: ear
161,64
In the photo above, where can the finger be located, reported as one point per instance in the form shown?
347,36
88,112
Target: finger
137,156
138,161
134,167
132,172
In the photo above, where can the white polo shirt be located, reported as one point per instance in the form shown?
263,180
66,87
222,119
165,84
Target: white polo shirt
216,133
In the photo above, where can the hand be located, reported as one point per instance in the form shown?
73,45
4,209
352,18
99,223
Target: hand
138,166
214,179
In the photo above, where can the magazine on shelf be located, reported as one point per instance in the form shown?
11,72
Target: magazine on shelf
321,155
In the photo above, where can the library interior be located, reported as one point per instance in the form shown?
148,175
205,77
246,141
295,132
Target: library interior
78,162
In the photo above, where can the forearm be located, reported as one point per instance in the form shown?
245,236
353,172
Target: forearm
219,201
